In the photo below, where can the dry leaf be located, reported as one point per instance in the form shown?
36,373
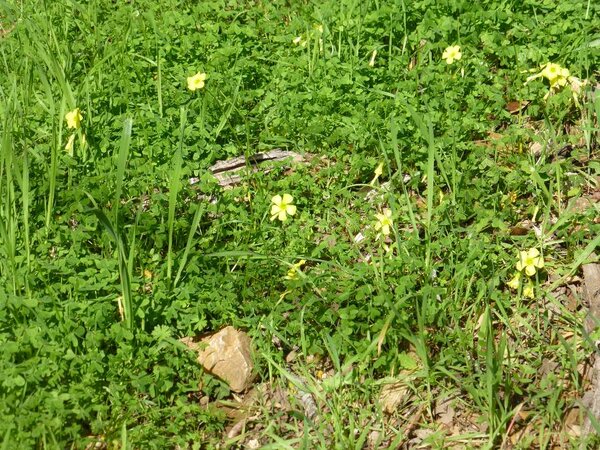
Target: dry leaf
393,396
516,106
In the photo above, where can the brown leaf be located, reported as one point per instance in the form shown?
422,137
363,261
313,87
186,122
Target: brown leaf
393,396
518,231
515,107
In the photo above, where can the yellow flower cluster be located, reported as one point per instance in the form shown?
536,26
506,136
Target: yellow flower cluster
558,77
529,262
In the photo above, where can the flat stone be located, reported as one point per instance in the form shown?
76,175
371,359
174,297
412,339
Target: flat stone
226,354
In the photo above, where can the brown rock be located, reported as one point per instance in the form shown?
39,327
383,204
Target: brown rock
227,355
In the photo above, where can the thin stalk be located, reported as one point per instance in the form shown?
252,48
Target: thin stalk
175,186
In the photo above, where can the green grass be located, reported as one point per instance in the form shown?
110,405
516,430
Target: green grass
108,255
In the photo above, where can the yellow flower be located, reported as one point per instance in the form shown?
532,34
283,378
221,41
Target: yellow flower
452,54
558,77
70,144
555,74
384,221
196,82
530,261
74,118
372,60
282,206
378,173
515,282
293,272
528,290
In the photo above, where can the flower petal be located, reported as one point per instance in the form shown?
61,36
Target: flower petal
528,290
515,282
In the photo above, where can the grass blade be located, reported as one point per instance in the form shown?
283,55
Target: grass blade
122,157
190,241
174,187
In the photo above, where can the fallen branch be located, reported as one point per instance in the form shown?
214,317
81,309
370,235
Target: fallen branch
591,399
227,172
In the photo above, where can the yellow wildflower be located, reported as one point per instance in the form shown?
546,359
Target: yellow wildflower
282,206
196,82
555,74
74,118
378,172
515,282
558,77
528,290
384,221
372,60
70,144
293,272
530,261
452,54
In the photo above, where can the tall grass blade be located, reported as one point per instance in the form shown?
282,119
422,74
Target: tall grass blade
399,165
190,242
174,187
426,130
25,205
123,267
227,114
8,214
121,165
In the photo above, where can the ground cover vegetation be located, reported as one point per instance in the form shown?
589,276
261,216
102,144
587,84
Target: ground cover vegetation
432,238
